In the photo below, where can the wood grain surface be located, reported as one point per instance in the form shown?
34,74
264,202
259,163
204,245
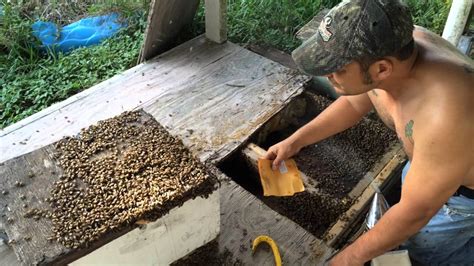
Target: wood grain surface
213,97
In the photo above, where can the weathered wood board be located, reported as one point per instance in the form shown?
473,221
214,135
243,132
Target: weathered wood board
7,256
35,190
165,240
165,21
244,217
216,114
216,20
212,96
30,236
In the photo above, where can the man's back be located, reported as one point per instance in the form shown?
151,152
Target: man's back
450,76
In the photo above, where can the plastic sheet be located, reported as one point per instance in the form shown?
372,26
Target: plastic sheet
82,33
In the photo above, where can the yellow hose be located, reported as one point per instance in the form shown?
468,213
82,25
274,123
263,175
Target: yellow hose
271,243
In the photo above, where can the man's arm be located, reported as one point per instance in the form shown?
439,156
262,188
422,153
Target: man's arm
440,163
345,112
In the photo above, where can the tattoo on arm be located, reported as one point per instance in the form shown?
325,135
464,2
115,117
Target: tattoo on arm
409,130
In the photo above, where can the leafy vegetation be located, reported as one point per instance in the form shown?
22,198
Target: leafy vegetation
32,80
275,22
430,14
266,22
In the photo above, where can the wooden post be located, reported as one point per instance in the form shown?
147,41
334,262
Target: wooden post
165,20
338,230
216,28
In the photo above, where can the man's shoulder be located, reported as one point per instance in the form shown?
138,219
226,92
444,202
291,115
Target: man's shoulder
437,47
445,89
447,85
446,75
441,65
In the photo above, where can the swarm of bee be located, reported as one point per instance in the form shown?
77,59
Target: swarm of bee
118,171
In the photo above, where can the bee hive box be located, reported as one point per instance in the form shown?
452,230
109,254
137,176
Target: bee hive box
212,97
338,170
125,174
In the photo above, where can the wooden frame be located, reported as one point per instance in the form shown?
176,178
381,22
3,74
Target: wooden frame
216,19
211,96
340,229
165,20
378,177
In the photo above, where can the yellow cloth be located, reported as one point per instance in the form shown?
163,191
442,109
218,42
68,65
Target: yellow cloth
286,181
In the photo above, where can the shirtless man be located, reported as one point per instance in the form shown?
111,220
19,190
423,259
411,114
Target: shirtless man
423,88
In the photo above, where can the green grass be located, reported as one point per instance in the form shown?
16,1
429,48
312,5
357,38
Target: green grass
53,80
275,22
272,23
32,81
266,22
430,14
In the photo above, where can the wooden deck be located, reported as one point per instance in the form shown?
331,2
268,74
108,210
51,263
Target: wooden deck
213,97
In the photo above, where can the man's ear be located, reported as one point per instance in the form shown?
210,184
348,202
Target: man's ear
382,69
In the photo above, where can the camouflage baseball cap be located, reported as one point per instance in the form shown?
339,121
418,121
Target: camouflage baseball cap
352,30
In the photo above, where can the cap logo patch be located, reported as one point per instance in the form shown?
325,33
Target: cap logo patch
323,29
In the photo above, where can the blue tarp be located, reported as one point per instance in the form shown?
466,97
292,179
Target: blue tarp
85,32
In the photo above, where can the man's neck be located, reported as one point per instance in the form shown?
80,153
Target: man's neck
403,75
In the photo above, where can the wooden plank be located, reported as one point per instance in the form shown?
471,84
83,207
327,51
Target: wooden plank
165,21
220,109
37,249
7,256
372,173
186,89
244,217
123,92
274,54
165,240
346,220
35,191
216,20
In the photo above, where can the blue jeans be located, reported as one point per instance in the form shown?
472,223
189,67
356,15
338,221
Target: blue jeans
448,238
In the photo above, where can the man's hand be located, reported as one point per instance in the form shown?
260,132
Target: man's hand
282,151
